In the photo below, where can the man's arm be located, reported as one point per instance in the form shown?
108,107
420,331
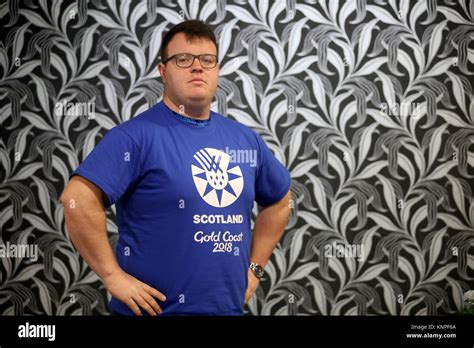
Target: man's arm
269,227
86,222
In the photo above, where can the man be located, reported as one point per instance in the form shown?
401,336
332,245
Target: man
183,197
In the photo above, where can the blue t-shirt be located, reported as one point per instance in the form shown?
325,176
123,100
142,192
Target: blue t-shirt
184,195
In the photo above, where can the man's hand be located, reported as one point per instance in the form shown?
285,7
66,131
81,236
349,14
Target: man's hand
134,293
253,284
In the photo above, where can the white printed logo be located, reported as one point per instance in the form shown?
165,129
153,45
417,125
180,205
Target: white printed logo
218,185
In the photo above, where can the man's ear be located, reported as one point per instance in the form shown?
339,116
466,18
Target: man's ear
161,70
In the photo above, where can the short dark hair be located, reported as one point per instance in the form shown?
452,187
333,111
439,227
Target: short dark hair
193,29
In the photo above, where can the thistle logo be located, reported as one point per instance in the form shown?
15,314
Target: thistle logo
217,184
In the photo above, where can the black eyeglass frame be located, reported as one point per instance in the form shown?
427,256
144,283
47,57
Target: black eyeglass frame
174,56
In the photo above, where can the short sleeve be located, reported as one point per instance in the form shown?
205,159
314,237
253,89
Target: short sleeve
114,164
273,180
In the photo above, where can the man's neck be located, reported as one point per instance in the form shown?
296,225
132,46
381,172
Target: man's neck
195,111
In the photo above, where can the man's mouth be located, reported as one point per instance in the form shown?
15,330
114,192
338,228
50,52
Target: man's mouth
197,81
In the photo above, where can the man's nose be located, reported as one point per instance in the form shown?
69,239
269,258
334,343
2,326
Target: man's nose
196,66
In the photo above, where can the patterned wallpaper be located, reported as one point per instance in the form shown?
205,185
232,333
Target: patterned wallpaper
368,103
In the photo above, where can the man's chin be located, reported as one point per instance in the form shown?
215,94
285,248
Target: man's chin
199,99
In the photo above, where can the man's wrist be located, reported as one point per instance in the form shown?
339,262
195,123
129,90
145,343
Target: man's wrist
257,270
111,274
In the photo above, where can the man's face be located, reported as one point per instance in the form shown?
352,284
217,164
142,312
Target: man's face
194,85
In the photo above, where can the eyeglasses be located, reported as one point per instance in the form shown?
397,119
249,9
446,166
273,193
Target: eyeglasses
185,60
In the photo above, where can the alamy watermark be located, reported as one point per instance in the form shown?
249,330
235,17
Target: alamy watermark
345,251
401,109
248,156
65,108
37,331
19,251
